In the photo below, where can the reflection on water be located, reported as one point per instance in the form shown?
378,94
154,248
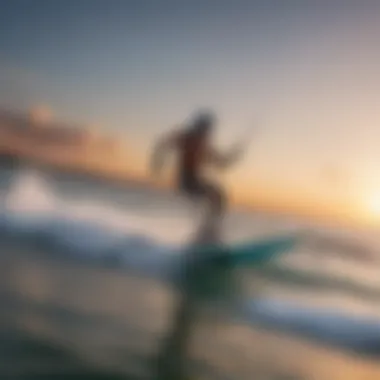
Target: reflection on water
61,318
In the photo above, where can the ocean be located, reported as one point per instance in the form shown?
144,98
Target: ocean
86,292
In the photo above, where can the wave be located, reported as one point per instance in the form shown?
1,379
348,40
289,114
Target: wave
66,237
319,281
93,240
326,326
35,217
34,213
69,237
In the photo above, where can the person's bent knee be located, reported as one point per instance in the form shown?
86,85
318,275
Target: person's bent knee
218,200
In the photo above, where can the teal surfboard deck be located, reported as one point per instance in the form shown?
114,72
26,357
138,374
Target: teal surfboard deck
255,252
212,274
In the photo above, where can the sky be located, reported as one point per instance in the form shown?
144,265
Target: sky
302,75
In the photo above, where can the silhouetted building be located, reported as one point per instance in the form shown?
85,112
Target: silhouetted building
38,134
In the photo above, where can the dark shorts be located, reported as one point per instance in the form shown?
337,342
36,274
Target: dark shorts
194,186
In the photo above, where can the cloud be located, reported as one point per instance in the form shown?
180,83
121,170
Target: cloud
41,114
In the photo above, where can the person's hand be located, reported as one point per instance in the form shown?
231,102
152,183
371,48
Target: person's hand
240,147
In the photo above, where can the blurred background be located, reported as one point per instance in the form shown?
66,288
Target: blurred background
89,241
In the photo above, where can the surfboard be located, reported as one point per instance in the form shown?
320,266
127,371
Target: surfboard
254,252
211,271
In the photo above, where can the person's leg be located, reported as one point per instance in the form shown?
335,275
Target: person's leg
216,198
200,189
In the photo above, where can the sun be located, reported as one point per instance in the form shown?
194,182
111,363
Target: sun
374,206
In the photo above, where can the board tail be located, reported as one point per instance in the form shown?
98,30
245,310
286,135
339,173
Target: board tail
262,251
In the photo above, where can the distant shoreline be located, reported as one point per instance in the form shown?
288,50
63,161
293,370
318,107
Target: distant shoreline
9,159
12,158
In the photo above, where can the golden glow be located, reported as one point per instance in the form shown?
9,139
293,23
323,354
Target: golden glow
373,205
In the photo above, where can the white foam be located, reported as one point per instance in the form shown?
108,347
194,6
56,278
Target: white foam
31,195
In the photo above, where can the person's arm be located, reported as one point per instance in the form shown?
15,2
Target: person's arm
160,150
224,160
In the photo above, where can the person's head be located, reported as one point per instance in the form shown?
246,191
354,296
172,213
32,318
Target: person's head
203,123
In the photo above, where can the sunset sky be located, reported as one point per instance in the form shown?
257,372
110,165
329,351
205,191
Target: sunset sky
304,73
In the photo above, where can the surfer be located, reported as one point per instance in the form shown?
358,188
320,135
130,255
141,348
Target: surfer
194,153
